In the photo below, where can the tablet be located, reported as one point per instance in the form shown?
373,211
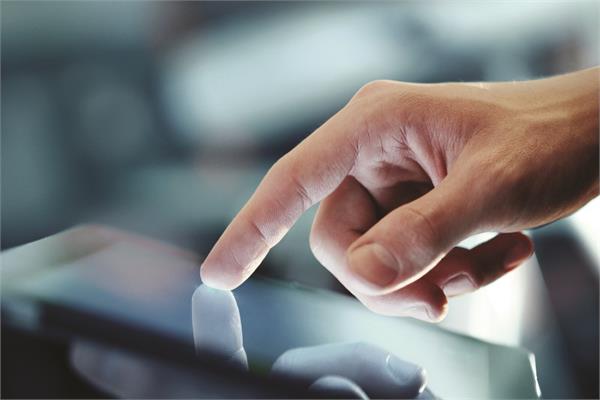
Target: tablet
111,287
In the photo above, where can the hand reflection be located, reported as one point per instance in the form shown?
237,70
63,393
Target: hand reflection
376,372
338,370
355,370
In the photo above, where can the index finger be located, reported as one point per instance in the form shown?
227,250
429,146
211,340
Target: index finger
301,178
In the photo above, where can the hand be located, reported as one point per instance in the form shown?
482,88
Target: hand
404,172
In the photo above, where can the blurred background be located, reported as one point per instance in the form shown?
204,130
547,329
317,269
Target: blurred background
161,118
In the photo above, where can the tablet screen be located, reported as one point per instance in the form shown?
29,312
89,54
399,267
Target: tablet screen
155,288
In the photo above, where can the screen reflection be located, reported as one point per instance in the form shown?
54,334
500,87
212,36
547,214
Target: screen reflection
335,370
350,370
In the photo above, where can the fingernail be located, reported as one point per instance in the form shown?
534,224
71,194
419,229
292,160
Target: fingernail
518,254
373,263
406,374
457,285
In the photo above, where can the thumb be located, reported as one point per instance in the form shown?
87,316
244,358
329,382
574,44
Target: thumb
409,241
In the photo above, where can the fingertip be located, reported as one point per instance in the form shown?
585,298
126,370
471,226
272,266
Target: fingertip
408,377
520,251
439,313
216,280
436,304
429,310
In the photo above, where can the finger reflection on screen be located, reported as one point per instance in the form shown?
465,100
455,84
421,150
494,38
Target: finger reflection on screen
217,325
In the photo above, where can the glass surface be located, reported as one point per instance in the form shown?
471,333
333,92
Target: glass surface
121,278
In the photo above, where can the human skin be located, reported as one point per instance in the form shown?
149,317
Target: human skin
404,172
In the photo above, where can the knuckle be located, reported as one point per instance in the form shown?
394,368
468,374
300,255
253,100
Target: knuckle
301,193
476,277
259,233
372,87
425,230
288,174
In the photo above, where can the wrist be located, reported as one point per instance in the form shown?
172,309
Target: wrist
559,122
